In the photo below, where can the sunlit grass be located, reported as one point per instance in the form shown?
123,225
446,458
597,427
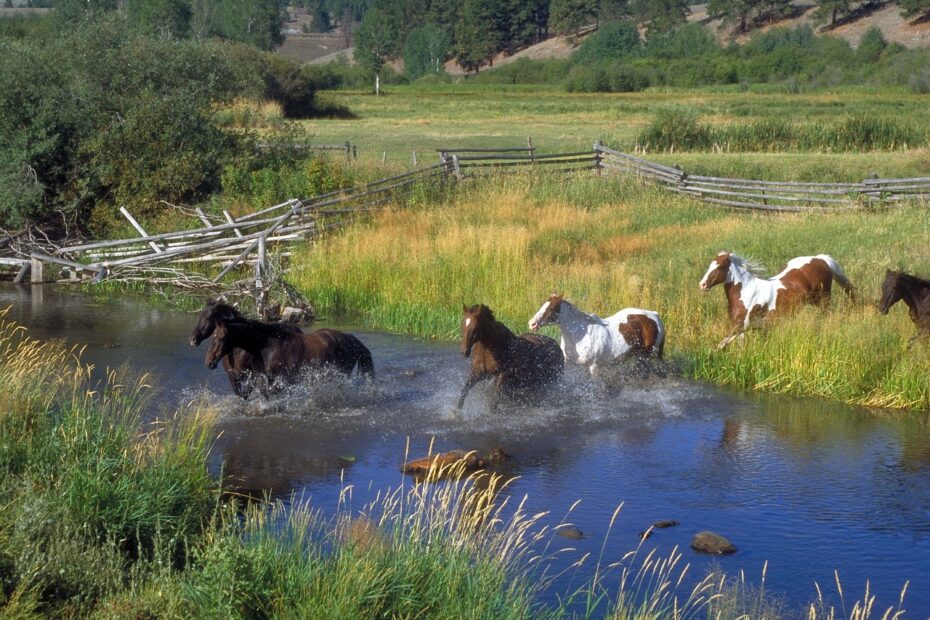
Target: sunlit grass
608,244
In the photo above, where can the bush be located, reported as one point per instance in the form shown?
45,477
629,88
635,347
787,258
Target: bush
612,41
675,130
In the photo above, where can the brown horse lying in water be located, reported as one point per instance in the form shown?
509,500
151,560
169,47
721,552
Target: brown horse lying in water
323,348
519,365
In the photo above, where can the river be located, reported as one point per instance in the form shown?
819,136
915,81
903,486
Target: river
806,485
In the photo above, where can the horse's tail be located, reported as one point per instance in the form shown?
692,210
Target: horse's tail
839,275
366,366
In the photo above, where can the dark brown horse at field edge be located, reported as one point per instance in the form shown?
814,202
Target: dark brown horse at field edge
521,366
323,348
914,292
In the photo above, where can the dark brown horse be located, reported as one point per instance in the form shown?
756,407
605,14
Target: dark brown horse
914,292
519,365
275,350
322,348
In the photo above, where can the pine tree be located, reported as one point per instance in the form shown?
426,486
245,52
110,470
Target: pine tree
476,35
914,8
567,16
660,15
733,11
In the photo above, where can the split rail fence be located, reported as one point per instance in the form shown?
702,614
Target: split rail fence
248,239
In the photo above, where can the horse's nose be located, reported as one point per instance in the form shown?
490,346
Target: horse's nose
534,325
194,342
703,285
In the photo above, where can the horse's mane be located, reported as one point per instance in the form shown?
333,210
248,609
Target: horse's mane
917,279
272,330
749,264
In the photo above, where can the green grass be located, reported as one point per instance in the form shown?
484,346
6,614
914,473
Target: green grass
104,517
425,118
609,244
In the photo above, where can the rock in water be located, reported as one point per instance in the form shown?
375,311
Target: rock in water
659,525
708,542
570,532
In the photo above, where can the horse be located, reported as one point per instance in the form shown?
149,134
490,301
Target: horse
593,342
323,348
275,350
238,363
914,292
806,279
518,365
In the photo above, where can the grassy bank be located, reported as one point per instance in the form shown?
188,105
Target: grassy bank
609,244
105,516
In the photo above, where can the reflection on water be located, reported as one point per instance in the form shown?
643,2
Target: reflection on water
807,485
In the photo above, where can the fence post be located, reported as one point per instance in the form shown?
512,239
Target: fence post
35,267
456,167
348,150
260,263
597,157
529,144
414,159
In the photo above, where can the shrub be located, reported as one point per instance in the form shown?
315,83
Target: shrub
612,41
674,130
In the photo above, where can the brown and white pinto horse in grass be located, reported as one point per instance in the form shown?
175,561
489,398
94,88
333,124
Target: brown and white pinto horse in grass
596,343
806,279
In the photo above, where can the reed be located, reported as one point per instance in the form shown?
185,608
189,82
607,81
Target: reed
612,243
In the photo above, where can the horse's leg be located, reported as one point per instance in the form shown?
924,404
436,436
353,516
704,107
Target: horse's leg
469,384
726,341
495,397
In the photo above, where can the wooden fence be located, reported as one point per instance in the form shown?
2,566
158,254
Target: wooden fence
178,257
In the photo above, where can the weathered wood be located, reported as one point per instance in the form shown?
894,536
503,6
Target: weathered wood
230,220
138,227
35,269
24,270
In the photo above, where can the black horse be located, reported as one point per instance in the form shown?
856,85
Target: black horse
321,349
914,292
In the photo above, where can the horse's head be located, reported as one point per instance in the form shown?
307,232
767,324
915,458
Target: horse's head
891,293
219,346
214,311
548,313
474,324
717,272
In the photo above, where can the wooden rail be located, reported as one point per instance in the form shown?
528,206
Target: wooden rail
250,238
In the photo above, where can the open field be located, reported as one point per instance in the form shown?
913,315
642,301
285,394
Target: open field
608,244
425,118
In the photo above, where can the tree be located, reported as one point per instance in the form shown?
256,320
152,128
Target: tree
567,16
425,51
476,35
256,22
166,17
376,42
321,21
833,9
72,11
733,11
871,45
612,10
659,16
914,8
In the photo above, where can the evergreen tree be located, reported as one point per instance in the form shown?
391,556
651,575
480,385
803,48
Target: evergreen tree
567,16
914,8
167,17
612,10
321,21
833,9
476,34
659,16
733,12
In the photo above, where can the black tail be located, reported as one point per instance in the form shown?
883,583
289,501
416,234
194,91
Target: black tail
366,365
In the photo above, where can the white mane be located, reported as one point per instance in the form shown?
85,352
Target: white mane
751,265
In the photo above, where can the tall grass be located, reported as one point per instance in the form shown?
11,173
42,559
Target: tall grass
106,518
679,130
610,244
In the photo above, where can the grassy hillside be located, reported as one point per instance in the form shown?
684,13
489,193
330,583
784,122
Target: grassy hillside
608,244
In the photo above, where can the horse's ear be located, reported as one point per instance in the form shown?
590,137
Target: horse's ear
221,299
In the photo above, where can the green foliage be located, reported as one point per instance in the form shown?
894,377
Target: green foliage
659,16
871,45
612,41
164,17
567,16
476,35
426,50
914,8
279,175
833,9
376,40
677,130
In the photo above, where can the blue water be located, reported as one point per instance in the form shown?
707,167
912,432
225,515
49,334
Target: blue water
807,486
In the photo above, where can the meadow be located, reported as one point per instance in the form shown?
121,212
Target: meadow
610,243
427,117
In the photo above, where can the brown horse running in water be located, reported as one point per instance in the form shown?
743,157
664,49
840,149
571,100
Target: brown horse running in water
914,292
519,365
322,348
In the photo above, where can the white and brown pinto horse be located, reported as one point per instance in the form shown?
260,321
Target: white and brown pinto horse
596,343
806,279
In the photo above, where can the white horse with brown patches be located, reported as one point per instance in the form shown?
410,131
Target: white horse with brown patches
806,279
593,342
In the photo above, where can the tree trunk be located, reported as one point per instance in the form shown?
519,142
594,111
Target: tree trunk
377,84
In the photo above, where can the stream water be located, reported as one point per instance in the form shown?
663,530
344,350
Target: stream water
808,486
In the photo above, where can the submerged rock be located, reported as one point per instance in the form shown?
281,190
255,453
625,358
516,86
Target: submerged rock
709,542
451,461
570,531
661,525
